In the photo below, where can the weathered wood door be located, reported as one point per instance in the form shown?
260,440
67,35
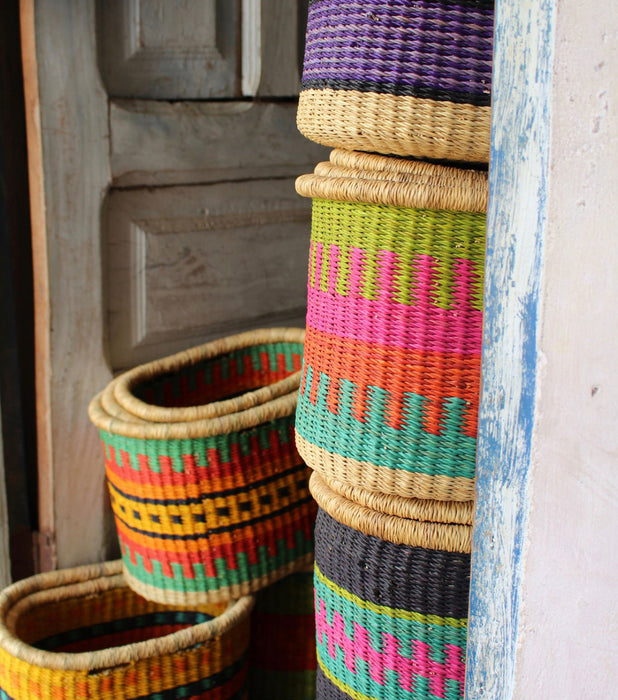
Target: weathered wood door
163,151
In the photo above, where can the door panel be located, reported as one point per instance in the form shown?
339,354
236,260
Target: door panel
187,264
156,224
162,49
163,143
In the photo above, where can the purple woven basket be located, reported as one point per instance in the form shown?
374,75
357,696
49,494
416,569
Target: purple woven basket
405,77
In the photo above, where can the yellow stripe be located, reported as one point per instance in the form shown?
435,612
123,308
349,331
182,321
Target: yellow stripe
343,686
395,613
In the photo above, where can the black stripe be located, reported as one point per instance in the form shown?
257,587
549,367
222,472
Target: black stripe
191,690
427,581
325,690
206,496
440,95
101,629
223,528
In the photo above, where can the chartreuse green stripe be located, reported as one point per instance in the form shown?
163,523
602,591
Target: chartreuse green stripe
198,447
335,596
409,448
225,576
446,236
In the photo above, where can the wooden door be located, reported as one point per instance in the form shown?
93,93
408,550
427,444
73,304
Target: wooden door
163,151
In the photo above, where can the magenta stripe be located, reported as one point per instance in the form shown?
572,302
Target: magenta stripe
393,323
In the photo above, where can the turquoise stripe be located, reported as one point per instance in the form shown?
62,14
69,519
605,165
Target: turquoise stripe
198,447
452,453
225,576
377,624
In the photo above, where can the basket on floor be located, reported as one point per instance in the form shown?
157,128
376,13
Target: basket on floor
405,77
84,634
214,507
391,600
282,660
389,395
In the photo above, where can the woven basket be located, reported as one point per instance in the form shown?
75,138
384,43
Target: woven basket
389,395
282,660
405,77
216,507
391,597
82,633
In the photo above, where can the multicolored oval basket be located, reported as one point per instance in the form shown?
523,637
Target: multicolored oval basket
389,395
405,77
209,494
282,655
83,634
391,602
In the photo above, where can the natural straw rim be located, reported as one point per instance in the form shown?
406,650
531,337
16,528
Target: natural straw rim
398,530
89,580
429,510
359,160
113,419
372,179
126,382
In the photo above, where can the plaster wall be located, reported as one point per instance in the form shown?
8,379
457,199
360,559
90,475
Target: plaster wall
568,634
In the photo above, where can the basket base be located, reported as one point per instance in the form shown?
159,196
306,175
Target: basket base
170,597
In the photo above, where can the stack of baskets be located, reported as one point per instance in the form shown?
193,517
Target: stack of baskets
388,401
211,504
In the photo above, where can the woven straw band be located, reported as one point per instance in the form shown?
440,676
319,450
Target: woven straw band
399,76
190,385
389,395
282,660
412,532
82,633
391,620
454,512
211,509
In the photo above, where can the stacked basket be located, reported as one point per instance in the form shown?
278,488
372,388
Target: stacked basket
388,401
211,503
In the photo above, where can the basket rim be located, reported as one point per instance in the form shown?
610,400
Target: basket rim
89,580
115,422
429,510
126,382
374,179
395,529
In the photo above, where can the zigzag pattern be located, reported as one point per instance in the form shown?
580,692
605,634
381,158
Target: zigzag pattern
360,428
209,459
408,664
216,378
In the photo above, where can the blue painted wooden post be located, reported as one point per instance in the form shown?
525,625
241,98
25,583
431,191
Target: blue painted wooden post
524,35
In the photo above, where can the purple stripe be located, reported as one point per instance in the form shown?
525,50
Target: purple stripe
450,49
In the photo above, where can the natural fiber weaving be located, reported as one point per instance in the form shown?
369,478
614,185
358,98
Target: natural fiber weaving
389,394
82,634
391,614
406,77
216,507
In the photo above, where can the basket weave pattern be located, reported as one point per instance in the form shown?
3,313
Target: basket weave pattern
389,394
402,77
391,620
82,633
214,508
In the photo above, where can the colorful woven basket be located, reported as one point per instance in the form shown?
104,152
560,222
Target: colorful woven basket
214,507
390,389
282,660
83,634
391,598
405,77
